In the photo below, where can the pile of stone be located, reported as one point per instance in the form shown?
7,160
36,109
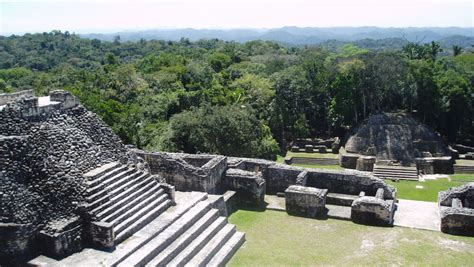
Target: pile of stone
46,144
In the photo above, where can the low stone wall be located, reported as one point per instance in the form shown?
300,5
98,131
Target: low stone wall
365,163
435,165
250,186
348,161
280,176
305,201
5,98
349,182
62,238
457,210
372,211
182,171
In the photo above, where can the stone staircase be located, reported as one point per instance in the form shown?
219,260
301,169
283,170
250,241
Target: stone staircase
199,237
150,230
125,197
463,169
395,172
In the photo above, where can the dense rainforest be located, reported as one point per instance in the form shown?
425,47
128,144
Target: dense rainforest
242,99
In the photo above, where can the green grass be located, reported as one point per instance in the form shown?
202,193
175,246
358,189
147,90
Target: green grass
276,239
428,192
312,155
430,188
462,178
329,167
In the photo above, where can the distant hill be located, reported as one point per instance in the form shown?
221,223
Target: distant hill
366,36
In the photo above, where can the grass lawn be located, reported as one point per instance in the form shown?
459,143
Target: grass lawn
312,155
329,167
277,239
428,190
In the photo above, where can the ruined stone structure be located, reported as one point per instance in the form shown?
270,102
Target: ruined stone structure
456,207
396,139
68,182
371,199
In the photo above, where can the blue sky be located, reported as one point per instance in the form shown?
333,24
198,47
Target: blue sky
85,16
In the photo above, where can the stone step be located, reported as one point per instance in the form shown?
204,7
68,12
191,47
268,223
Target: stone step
396,171
108,201
184,240
158,225
99,190
396,174
136,223
141,210
154,246
97,184
100,171
192,249
128,201
144,178
133,206
211,248
227,251
114,184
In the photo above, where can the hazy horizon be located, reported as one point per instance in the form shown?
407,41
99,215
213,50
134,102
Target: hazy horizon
107,16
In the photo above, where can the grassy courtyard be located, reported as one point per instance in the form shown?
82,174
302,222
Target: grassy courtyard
277,239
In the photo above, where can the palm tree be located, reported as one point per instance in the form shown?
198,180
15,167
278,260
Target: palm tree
457,50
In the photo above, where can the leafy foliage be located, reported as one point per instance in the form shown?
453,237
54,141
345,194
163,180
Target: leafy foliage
242,99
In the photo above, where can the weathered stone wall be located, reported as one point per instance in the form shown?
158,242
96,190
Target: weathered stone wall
280,176
349,182
62,237
372,211
183,171
305,201
250,186
5,98
457,210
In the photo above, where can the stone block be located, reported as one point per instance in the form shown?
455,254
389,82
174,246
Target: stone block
306,201
365,163
457,210
170,190
309,148
372,211
230,199
102,234
62,238
250,186
348,161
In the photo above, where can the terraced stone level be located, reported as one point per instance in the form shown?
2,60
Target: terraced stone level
126,197
135,204
396,172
